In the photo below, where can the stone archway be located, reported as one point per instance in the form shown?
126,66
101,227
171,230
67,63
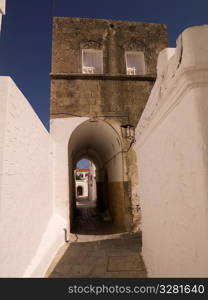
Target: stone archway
99,142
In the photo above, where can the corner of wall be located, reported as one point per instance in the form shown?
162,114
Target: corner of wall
2,7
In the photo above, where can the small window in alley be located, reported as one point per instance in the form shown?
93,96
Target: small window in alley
92,61
134,63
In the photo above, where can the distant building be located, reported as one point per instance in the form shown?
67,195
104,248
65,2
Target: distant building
82,173
81,180
85,180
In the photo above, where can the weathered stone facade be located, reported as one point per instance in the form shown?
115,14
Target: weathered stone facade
112,93
113,96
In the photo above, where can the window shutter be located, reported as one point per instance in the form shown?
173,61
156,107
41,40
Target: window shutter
92,61
135,63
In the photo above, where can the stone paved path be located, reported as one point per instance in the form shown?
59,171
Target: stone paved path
98,250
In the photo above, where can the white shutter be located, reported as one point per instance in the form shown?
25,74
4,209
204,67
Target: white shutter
92,61
135,63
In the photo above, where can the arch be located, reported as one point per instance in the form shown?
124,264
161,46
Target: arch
90,44
99,142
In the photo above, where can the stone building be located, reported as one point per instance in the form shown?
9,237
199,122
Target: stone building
103,71
81,182
85,182
101,78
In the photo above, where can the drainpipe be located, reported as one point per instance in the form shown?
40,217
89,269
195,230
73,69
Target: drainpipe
65,235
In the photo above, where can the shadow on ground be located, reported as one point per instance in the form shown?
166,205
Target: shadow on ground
98,248
115,257
90,221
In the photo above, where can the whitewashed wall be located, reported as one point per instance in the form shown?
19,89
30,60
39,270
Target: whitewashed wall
2,6
172,150
61,130
92,190
0,21
2,10
30,233
84,185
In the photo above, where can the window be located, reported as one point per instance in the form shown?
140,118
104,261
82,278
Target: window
92,61
134,63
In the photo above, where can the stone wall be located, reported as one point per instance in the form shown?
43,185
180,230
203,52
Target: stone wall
113,92
172,148
120,98
70,35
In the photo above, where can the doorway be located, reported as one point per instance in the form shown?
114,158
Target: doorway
79,191
101,208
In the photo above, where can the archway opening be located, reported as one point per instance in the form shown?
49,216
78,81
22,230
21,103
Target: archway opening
85,181
104,206
87,209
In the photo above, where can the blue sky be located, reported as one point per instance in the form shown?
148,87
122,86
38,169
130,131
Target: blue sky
83,163
25,43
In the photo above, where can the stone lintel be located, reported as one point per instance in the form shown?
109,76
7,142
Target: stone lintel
71,76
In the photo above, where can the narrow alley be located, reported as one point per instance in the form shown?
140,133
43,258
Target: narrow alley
97,249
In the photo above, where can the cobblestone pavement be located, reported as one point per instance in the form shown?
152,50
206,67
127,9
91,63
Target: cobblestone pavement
98,250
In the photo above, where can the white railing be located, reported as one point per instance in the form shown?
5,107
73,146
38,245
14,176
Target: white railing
88,70
131,71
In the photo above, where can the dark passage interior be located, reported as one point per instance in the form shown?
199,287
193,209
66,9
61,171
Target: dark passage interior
90,220
92,213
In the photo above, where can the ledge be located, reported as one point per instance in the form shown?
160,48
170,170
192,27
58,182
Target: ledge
74,76
159,105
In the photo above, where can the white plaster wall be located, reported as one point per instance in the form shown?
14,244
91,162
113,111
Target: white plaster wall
92,190
3,111
0,21
2,6
172,145
103,142
26,207
92,183
61,130
2,10
173,191
84,185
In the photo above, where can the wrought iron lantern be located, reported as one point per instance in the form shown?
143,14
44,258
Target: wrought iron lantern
128,131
